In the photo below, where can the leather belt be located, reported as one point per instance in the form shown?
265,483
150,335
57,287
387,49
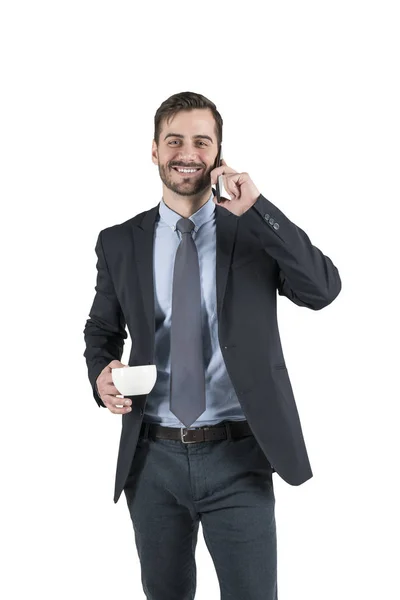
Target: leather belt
220,431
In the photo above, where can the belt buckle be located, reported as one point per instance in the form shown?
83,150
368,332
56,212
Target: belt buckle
182,434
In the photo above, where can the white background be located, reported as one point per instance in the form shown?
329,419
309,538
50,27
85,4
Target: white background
309,94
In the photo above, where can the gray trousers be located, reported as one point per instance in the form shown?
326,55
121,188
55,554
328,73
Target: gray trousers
225,484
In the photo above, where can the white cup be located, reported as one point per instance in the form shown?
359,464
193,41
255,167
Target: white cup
134,381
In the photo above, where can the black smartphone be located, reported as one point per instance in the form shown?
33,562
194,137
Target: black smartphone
219,183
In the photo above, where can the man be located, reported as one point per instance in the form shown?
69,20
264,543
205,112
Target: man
195,282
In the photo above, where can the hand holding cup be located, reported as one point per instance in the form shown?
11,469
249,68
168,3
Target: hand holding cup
109,393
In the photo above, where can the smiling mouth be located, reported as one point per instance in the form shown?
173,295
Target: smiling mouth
187,173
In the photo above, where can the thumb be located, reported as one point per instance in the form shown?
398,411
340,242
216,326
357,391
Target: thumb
115,364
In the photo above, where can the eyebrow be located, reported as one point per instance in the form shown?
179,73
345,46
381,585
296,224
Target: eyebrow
194,137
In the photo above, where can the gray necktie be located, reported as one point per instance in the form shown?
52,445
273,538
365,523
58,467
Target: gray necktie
188,398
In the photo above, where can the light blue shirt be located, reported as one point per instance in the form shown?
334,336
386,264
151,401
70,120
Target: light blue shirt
221,400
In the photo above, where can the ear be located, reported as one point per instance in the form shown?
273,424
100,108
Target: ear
154,153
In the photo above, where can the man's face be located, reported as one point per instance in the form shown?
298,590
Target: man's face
179,147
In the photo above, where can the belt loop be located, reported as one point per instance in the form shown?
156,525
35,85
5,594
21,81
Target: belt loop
228,431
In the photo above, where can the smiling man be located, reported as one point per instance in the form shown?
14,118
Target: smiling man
185,159
196,284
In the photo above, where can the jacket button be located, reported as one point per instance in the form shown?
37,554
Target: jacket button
276,225
266,216
271,221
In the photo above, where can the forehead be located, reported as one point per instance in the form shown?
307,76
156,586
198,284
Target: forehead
191,122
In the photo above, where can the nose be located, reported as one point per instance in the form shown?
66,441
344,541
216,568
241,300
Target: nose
187,159
187,151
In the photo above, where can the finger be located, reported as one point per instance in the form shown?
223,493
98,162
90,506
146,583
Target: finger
231,187
109,388
115,364
117,405
107,380
224,169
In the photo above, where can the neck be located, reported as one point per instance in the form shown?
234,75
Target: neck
185,206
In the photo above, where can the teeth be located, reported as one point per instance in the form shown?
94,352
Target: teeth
186,170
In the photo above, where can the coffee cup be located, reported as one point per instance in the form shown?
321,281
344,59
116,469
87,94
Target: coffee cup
134,381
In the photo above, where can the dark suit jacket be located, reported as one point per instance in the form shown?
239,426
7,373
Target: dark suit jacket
258,254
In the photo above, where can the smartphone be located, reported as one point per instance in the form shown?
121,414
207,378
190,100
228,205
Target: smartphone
219,182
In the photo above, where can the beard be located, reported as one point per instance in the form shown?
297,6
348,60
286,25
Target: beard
185,186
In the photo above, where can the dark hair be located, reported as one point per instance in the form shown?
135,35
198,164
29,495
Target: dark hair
185,101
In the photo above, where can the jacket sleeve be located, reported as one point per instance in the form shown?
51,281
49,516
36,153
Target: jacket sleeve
305,275
104,331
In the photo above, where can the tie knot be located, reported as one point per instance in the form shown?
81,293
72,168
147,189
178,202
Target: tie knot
185,225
